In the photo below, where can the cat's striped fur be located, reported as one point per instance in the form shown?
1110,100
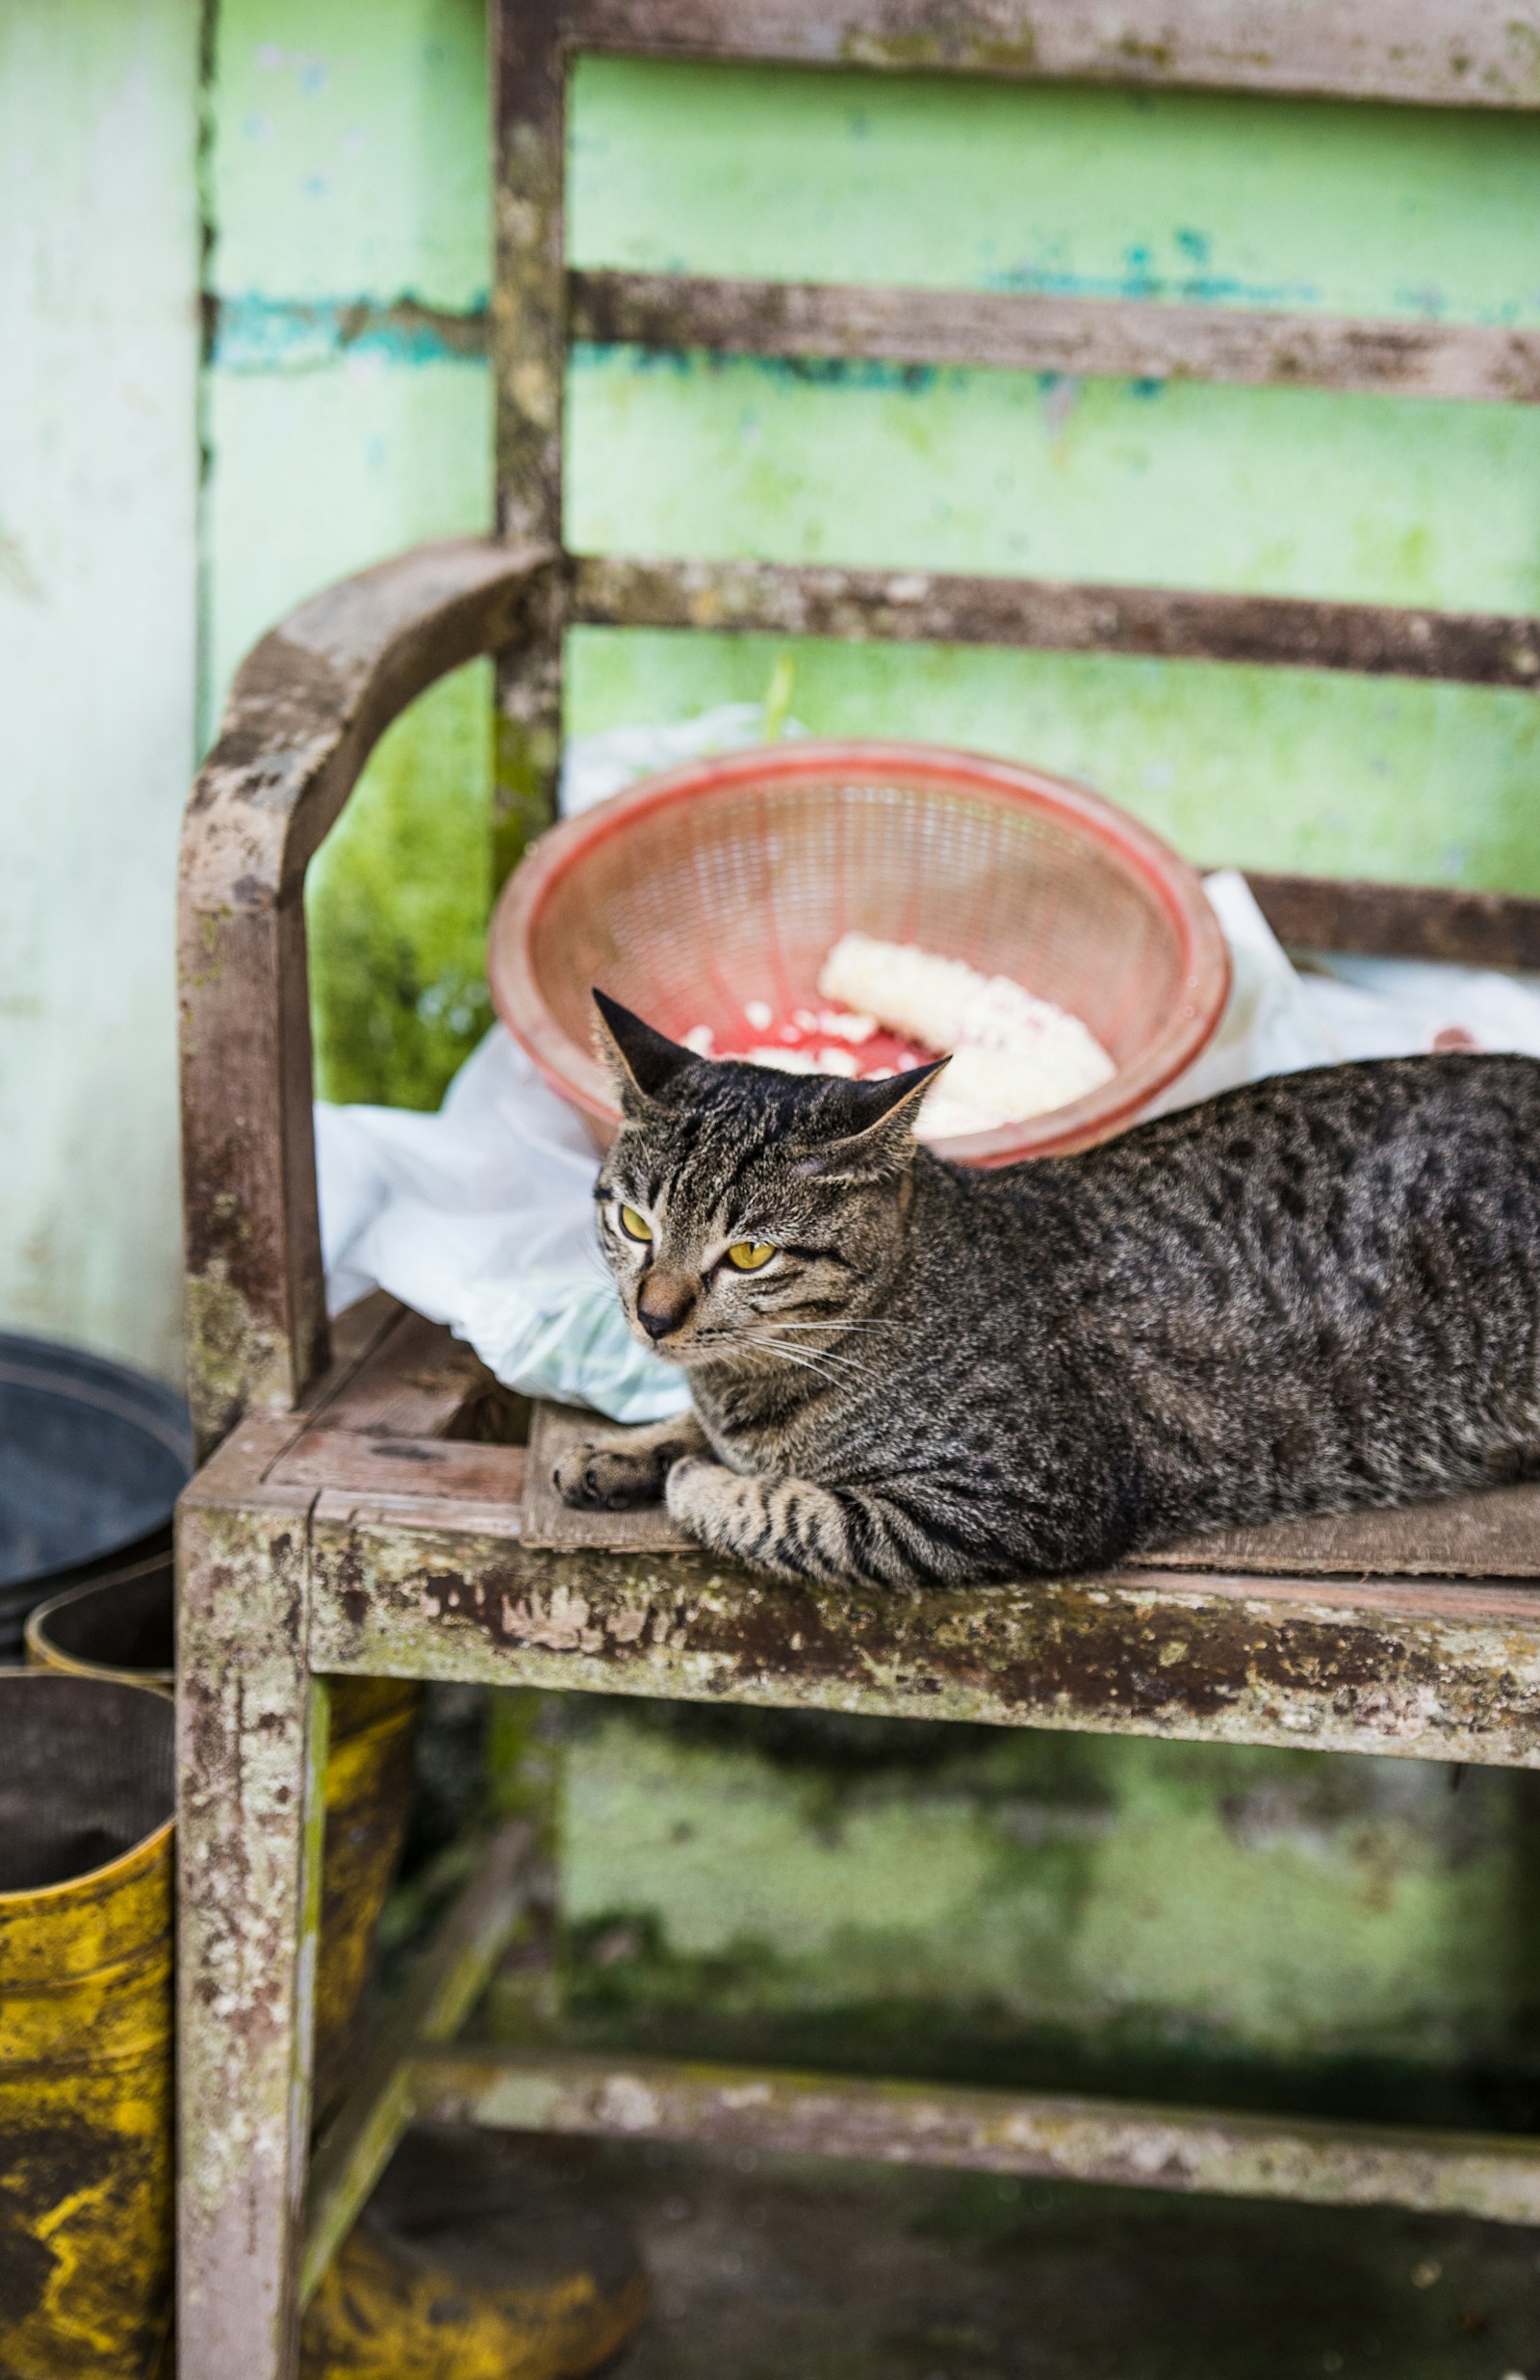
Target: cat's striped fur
1320,1291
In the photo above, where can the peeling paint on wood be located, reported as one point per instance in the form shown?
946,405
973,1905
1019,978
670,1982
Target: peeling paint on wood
1426,1670
256,333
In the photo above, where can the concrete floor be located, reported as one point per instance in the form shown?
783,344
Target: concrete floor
783,2272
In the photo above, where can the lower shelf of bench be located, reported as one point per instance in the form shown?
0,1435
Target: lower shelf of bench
1173,2148
415,2073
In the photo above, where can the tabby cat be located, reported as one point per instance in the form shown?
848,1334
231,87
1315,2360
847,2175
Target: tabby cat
1322,1290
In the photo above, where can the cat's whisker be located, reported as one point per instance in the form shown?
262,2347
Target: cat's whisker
827,1355
820,1360
803,1362
825,1326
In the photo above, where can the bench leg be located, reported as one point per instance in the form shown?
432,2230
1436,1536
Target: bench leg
251,1728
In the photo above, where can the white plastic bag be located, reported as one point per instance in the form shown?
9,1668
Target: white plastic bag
592,767
1279,1019
482,1217
1270,1026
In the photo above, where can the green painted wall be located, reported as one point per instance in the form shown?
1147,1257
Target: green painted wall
98,595
346,179
348,415
1277,1926
1335,209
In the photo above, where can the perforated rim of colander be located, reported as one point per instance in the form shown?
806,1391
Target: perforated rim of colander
576,1073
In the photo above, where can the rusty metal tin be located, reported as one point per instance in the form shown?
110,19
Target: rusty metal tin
86,2026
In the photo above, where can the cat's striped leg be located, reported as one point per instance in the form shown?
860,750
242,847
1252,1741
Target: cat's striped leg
843,1537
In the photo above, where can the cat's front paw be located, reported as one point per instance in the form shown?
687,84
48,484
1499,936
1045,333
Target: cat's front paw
689,1493
608,1478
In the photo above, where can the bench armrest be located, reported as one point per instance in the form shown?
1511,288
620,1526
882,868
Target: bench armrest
306,709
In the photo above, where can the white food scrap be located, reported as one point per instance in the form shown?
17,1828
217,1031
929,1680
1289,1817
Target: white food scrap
1014,1055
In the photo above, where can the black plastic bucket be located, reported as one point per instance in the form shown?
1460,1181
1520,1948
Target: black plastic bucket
93,1458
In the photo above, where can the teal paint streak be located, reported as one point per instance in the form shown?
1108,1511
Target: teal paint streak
253,332
1141,278
684,364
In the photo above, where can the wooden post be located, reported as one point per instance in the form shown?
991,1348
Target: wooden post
251,1729
528,316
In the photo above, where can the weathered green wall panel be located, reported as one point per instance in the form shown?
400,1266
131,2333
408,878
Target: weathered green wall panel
351,151
1095,192
1266,768
1293,491
1390,212
1157,1902
317,473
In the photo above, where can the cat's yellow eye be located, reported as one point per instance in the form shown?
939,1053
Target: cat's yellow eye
748,1255
634,1225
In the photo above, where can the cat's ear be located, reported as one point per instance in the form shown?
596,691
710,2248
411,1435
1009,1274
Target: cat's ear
867,1129
642,1062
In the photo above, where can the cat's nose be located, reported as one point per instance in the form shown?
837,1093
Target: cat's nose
664,1305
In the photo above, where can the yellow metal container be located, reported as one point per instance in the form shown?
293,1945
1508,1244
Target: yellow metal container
87,1792
472,2264
368,1794
120,1626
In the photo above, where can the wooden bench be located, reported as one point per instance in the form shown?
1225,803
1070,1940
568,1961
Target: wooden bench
359,1509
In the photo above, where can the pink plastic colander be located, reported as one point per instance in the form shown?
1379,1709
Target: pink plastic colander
731,879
